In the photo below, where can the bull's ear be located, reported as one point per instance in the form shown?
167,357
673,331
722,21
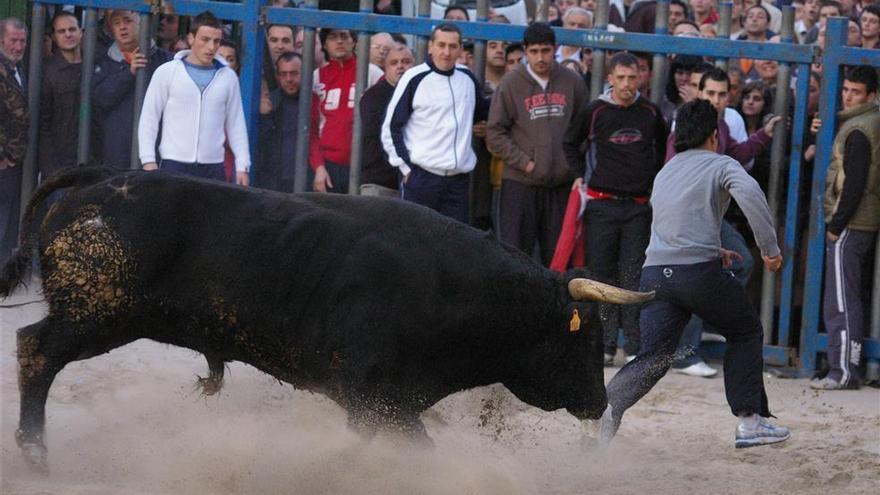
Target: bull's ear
584,289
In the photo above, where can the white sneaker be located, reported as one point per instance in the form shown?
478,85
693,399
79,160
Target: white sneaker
700,369
754,431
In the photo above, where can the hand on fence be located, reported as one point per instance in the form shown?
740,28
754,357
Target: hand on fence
814,127
480,129
4,164
150,166
810,153
773,264
138,61
770,127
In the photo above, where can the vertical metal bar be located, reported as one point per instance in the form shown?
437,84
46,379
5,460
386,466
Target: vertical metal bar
363,68
35,80
835,36
790,241
140,86
84,131
305,105
480,69
873,364
658,70
422,41
542,10
777,155
480,45
725,12
597,76
251,63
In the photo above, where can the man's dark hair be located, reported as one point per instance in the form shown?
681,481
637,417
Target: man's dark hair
229,44
831,3
61,14
206,18
513,47
863,74
446,27
871,9
324,33
287,57
694,124
759,6
622,58
702,67
292,29
539,33
690,22
647,57
456,7
681,4
400,39
715,74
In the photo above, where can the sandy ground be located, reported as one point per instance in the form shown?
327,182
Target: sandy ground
131,422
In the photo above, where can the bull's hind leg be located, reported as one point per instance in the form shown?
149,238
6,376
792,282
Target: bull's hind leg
37,370
212,383
44,349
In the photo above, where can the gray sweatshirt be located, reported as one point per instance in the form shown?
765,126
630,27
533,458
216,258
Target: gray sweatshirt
690,195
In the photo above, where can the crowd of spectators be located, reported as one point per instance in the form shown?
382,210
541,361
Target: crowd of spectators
449,149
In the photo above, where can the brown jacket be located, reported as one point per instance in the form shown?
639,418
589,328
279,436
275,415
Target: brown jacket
527,123
15,116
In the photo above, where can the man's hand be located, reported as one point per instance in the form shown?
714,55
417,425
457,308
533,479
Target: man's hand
577,184
815,125
530,167
810,153
773,264
150,166
832,237
322,180
771,125
480,129
686,95
4,164
138,61
265,101
728,257
242,179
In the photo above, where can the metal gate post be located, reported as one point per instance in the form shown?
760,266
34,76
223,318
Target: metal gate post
34,82
363,70
305,105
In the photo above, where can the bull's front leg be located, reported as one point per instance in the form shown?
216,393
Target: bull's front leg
212,384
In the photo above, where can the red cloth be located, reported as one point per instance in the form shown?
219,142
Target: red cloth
570,246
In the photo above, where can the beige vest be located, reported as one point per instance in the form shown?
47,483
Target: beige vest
864,118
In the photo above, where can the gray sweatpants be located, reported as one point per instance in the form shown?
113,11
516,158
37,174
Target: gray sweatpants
843,310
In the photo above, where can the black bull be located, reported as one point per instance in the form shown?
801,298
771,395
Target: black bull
384,306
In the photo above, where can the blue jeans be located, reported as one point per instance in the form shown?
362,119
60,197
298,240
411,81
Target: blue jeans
204,170
686,354
715,295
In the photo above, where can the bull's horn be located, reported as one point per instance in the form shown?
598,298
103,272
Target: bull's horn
584,289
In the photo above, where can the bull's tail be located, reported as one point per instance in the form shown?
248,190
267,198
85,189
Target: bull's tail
17,267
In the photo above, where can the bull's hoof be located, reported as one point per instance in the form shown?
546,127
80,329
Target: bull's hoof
209,385
36,457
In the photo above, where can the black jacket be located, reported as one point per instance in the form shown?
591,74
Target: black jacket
113,97
376,169
629,145
277,143
59,114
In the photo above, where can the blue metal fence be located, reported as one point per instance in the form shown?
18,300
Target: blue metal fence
253,16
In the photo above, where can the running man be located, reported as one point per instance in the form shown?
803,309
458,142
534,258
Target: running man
686,266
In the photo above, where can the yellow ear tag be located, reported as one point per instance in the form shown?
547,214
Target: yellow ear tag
575,324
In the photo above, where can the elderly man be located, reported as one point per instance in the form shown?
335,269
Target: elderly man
378,177
114,88
13,129
574,18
